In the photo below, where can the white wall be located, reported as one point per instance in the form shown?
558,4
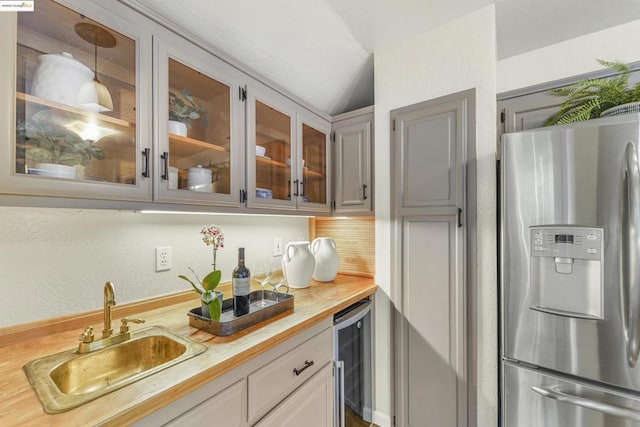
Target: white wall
55,261
569,58
457,56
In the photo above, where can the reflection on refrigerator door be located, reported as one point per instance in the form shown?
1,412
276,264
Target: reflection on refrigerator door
533,399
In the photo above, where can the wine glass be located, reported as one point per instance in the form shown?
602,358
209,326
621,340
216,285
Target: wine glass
280,282
262,274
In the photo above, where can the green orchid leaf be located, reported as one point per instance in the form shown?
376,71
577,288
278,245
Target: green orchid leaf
198,290
211,280
214,309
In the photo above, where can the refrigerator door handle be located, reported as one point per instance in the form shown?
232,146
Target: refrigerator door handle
605,408
631,273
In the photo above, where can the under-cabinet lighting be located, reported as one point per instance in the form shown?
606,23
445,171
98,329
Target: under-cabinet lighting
223,214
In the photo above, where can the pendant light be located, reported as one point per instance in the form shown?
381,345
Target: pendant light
94,95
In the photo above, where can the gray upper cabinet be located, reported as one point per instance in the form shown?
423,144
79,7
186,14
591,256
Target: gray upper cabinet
288,154
165,123
353,161
75,109
199,127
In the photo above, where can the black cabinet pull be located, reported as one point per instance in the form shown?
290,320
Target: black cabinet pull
296,182
459,217
364,191
302,186
165,167
145,153
301,370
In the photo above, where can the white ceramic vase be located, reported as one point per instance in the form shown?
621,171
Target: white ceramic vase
327,261
59,77
298,264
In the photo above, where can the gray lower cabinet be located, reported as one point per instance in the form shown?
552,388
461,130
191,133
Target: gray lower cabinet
287,384
225,408
352,162
311,405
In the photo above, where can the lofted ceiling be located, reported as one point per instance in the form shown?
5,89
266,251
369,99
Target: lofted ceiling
321,50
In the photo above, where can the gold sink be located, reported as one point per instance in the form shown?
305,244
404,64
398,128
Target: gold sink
66,380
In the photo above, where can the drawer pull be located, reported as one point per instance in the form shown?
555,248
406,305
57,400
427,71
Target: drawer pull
301,370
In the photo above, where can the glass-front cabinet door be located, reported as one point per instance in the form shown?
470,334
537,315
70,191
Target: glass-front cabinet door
199,115
315,185
79,114
272,179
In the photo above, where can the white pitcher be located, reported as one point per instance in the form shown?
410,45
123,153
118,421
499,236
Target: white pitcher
297,264
327,261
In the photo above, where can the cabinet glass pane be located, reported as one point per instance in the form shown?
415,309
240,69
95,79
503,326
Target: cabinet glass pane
199,131
314,165
75,98
273,171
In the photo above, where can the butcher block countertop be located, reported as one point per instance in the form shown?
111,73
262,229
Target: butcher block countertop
19,405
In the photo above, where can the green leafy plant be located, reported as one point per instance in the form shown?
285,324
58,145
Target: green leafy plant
588,98
212,236
42,139
183,108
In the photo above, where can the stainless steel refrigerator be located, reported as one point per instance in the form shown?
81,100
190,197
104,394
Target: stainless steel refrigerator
570,275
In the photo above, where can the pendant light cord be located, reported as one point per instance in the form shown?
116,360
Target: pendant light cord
95,57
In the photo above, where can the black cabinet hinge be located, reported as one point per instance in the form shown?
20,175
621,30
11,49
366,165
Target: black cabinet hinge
243,196
242,94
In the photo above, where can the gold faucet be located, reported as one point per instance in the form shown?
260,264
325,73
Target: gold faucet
87,343
109,300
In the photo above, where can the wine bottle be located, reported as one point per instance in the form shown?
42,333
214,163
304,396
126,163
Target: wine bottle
240,281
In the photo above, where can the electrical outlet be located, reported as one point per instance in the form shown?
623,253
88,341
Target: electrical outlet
163,258
277,246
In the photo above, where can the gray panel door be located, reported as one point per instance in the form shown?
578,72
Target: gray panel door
428,204
353,171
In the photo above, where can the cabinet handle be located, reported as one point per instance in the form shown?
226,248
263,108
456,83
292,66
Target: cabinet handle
302,186
307,364
364,191
459,217
165,167
296,182
145,153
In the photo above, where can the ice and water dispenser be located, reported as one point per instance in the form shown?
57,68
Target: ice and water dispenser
566,271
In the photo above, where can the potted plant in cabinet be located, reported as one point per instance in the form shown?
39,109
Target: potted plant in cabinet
50,149
182,109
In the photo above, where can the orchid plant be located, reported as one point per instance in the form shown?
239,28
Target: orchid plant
212,236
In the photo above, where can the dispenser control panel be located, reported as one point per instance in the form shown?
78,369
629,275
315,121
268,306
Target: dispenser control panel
567,242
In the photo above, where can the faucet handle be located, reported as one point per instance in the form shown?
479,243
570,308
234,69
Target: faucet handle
87,335
124,327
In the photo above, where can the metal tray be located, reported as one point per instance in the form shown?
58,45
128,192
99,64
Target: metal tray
230,324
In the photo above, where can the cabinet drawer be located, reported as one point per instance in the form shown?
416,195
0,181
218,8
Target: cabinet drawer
225,408
272,382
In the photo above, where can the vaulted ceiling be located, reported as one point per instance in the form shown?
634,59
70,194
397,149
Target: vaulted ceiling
321,50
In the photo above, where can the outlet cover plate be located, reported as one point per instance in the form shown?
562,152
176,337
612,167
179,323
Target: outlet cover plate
163,258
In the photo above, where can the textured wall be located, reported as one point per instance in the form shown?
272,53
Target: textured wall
456,56
55,261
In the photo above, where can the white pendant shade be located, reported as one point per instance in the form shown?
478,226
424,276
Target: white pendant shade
95,96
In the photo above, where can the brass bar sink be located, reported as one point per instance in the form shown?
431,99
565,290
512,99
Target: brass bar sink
66,380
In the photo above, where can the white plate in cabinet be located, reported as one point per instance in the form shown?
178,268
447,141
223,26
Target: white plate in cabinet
274,381
311,405
224,409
